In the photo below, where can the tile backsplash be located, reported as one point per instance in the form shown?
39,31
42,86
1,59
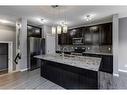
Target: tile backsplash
89,48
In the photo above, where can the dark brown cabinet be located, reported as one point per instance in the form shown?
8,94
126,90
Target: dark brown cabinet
76,32
69,77
59,39
95,35
67,38
92,35
64,39
33,31
87,37
106,34
98,34
106,63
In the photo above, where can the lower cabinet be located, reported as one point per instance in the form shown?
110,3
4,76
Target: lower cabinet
106,63
69,77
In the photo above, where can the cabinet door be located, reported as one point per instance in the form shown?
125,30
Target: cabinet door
108,30
70,79
106,34
88,79
33,31
62,39
87,36
107,64
69,38
59,39
51,72
76,32
65,38
95,34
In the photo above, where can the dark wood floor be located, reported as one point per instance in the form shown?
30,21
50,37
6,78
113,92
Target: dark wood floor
33,80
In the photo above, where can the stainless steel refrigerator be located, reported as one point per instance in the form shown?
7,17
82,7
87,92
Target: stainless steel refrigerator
35,46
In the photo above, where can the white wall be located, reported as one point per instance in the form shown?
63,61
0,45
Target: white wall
115,44
49,38
8,33
123,44
50,44
22,64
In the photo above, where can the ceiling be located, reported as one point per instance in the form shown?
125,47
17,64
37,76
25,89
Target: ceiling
73,14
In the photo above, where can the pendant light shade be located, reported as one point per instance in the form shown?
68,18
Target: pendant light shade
58,29
65,29
53,30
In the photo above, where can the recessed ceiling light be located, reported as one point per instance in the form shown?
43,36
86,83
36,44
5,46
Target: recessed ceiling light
54,6
4,21
42,20
89,17
62,23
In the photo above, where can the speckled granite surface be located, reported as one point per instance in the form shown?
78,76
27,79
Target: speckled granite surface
99,53
90,63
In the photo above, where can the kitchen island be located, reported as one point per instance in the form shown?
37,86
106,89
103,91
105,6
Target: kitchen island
71,72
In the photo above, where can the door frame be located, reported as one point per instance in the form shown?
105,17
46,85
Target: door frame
10,55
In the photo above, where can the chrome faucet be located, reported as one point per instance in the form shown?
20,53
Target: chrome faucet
63,50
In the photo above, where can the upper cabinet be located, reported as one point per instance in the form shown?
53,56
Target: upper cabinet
76,32
92,35
106,34
33,31
65,39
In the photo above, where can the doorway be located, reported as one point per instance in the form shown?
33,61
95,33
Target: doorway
6,57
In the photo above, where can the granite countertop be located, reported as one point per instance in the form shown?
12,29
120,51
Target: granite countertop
90,52
90,63
101,53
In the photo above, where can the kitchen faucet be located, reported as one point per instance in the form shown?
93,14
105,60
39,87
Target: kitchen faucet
63,50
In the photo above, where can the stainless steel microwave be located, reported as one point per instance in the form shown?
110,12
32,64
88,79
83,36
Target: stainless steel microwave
77,40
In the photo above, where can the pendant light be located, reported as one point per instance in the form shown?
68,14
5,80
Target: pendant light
65,29
53,30
53,27
62,26
59,29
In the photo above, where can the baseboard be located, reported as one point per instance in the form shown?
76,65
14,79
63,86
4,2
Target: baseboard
4,69
9,73
22,70
14,72
124,71
117,75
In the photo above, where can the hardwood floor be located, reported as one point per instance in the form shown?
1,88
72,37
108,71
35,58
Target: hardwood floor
108,81
33,80
3,72
26,80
